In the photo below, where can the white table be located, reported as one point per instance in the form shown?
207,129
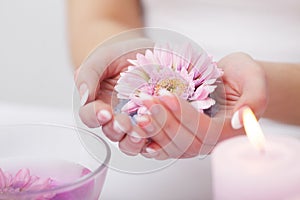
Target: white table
184,179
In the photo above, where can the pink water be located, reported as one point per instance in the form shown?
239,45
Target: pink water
62,173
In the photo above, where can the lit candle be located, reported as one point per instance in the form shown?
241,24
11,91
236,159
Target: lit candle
256,168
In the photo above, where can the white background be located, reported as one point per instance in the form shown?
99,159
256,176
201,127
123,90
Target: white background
36,80
34,62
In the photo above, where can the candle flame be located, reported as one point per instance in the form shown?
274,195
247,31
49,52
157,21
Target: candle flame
253,129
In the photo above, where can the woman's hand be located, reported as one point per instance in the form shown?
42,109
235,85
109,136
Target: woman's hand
95,80
177,130
174,129
245,84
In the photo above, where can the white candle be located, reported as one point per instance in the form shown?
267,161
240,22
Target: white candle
242,172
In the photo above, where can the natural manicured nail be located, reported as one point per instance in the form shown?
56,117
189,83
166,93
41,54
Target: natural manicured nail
151,151
117,127
104,116
134,137
149,128
155,109
84,93
235,121
142,120
143,111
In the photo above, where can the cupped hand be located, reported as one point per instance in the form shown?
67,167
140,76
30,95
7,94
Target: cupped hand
177,130
174,129
245,84
96,79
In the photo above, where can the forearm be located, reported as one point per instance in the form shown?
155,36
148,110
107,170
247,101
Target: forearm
284,87
93,21
83,41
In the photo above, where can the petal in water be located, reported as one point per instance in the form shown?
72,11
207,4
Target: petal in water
22,181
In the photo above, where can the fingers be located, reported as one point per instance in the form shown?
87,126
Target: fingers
112,131
254,96
254,91
184,140
153,150
207,131
97,73
131,138
95,68
244,76
89,75
193,121
236,120
171,134
133,142
116,129
95,114
157,133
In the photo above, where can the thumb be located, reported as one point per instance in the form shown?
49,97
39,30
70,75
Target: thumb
254,96
94,69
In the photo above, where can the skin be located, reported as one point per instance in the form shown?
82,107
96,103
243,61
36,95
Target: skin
284,83
90,22
269,89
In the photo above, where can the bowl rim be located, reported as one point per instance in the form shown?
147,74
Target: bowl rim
68,186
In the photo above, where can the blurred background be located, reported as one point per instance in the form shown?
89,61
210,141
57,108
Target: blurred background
35,66
35,69
34,60
34,63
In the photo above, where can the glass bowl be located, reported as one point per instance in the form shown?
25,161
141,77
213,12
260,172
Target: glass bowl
53,162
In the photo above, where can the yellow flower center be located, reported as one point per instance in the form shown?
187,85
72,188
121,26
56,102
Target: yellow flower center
175,86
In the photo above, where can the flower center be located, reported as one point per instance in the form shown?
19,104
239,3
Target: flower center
175,86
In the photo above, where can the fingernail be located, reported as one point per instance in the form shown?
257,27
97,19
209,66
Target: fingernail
149,128
151,151
118,128
143,111
144,122
104,116
235,121
84,93
155,109
134,137
141,120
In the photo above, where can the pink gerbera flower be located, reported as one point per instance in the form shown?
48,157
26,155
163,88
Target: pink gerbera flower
23,181
188,74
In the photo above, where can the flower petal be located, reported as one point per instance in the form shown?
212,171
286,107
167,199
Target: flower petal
164,55
203,104
21,178
133,62
200,94
33,179
9,179
41,184
2,179
130,107
143,111
185,70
